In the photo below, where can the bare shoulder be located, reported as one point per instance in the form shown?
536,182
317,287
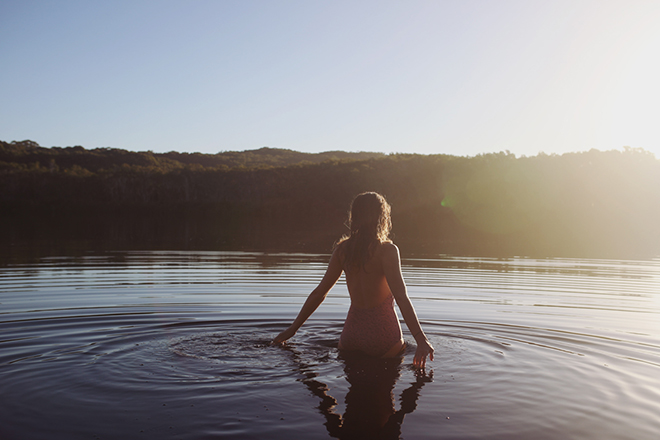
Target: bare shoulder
388,247
391,263
340,248
389,251
339,251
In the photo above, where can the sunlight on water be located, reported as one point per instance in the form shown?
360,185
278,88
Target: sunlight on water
176,345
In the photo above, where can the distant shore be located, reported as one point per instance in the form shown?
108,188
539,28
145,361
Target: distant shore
579,204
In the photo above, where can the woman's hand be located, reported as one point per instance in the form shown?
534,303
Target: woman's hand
286,334
424,349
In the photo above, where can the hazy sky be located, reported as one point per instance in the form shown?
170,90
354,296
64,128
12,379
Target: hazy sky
456,77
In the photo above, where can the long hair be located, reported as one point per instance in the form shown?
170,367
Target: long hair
370,224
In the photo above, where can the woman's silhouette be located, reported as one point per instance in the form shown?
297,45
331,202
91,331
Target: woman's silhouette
372,266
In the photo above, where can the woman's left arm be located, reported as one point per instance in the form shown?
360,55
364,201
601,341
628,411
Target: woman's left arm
392,269
315,298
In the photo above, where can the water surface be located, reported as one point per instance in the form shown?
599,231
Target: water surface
175,345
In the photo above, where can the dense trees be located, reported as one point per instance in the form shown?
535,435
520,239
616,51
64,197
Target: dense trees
29,153
591,203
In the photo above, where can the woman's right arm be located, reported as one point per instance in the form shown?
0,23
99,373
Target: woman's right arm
392,269
315,298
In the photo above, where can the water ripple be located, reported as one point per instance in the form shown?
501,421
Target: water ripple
176,345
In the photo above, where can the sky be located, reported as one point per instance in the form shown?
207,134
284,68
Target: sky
451,77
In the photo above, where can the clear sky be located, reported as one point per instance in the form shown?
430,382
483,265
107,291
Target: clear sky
457,77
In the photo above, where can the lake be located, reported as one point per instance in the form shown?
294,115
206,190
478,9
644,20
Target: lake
175,345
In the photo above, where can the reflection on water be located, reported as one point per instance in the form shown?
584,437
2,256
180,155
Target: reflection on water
176,345
370,409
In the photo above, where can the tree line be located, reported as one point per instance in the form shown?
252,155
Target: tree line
577,204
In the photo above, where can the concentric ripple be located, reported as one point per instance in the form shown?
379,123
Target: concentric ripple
177,345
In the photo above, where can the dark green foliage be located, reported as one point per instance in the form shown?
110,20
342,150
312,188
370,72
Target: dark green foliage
579,204
28,154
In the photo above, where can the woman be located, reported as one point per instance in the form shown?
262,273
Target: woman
373,275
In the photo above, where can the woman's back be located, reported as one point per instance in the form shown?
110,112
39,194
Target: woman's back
373,275
367,285
371,325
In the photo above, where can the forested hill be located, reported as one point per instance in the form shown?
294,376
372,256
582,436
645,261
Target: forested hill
29,154
595,203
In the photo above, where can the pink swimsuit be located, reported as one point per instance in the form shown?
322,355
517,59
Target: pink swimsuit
373,331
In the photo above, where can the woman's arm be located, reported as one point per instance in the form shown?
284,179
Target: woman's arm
392,269
314,299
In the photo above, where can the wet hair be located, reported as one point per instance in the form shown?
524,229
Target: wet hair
370,224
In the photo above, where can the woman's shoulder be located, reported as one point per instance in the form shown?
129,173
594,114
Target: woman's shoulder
389,257
339,250
388,244
388,248
340,245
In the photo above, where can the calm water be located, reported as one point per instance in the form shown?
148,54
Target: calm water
175,345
